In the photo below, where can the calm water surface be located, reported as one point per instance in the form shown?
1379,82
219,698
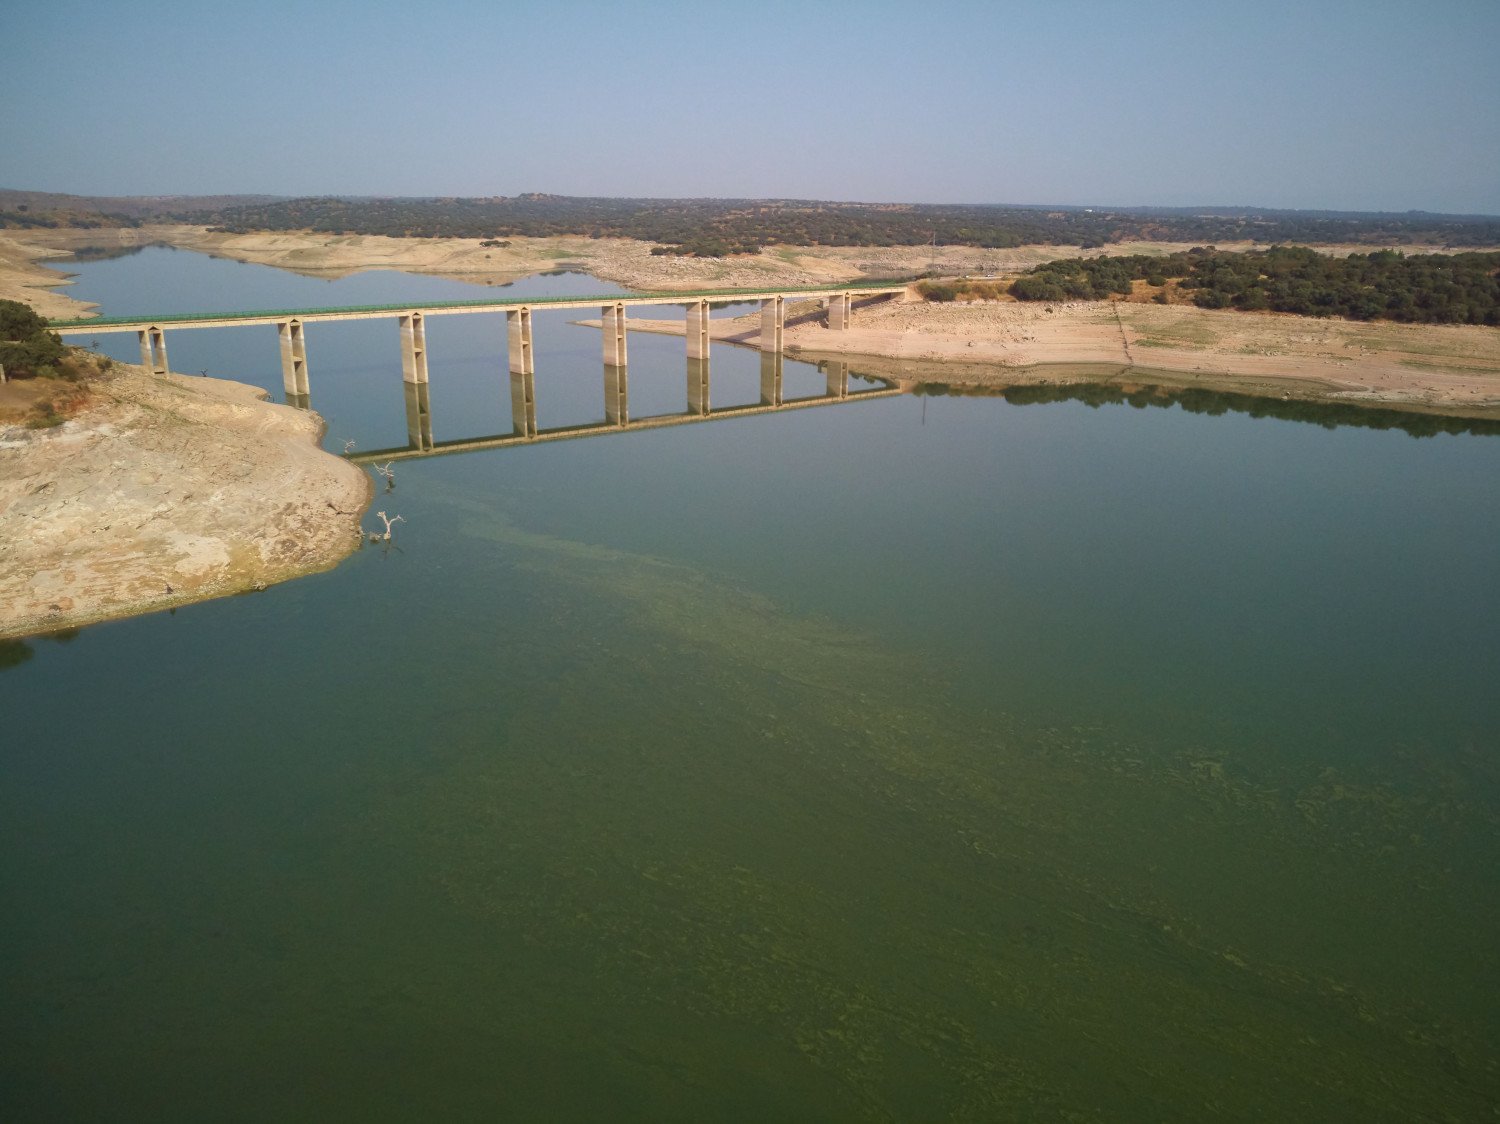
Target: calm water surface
888,760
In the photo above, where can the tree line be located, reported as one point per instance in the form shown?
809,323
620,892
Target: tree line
1461,288
718,227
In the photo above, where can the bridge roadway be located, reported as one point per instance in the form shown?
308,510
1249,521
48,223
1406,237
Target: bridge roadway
291,325
105,324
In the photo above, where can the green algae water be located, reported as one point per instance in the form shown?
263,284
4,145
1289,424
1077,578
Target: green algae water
893,760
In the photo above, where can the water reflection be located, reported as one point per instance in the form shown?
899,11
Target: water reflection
771,377
101,253
523,403
697,387
837,373
1217,402
525,430
616,394
14,653
418,415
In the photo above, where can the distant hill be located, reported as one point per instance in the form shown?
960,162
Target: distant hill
715,227
43,209
133,206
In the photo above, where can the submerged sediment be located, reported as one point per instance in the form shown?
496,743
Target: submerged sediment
161,491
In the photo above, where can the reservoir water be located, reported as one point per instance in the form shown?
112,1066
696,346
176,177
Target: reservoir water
914,758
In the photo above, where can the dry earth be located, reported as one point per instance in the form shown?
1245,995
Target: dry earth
623,260
1453,368
24,278
164,491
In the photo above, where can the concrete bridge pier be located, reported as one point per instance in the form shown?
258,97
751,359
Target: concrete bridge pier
697,386
419,416
837,373
613,323
697,330
522,373
840,311
616,395
523,404
518,330
293,359
772,323
153,349
413,347
770,378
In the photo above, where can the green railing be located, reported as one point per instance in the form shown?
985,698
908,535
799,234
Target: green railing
420,306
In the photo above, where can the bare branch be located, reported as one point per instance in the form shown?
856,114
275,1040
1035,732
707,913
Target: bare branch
389,523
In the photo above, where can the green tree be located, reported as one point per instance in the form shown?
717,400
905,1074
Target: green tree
26,346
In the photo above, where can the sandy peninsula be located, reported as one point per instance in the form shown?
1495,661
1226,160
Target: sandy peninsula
1447,368
160,491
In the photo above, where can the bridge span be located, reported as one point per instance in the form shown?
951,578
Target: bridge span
839,303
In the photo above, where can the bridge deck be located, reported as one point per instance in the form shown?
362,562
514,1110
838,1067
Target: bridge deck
107,324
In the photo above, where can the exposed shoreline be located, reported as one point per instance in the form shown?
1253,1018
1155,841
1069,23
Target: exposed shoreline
1442,368
1449,369
164,491
169,491
25,274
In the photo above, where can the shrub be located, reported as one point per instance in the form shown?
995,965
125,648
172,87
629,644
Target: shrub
27,348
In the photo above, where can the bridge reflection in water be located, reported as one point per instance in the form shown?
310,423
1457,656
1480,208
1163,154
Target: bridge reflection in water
617,419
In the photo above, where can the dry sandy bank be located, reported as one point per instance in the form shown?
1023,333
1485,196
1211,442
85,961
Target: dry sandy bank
164,491
24,277
625,261
1452,368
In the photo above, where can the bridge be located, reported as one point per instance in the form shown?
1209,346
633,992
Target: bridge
839,302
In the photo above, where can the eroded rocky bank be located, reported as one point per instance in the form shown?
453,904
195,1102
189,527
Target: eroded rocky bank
161,491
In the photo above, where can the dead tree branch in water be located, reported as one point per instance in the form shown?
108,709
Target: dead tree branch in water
389,523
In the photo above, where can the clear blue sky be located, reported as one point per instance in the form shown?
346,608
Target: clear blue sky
1374,105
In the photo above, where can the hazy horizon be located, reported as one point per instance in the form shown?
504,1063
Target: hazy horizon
1383,106
1026,205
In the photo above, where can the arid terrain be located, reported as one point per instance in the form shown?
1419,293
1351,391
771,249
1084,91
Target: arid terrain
164,491
1451,368
23,276
160,491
